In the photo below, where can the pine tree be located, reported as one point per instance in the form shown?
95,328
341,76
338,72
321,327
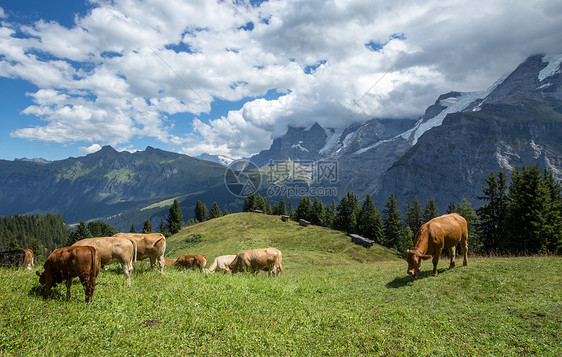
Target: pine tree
493,214
431,211
215,211
81,232
553,219
466,210
249,203
451,208
281,208
132,229
101,229
175,218
347,215
528,211
317,214
392,223
200,212
292,212
414,216
370,221
163,228
304,209
147,228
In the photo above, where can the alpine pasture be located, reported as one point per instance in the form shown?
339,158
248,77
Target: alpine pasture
335,298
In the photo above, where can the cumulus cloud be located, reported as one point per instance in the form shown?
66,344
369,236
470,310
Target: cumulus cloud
126,67
90,149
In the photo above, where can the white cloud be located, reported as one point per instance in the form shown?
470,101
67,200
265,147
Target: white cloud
124,67
90,149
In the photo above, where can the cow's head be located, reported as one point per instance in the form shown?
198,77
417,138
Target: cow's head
414,258
41,276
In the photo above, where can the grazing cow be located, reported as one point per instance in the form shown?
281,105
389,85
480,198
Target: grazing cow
114,249
18,257
191,261
221,263
440,233
254,260
69,262
169,262
149,245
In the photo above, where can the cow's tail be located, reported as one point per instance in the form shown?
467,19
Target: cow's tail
279,259
134,255
91,284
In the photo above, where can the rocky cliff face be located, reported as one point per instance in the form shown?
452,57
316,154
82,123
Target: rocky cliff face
519,123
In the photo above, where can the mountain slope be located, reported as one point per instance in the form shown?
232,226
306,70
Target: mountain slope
104,183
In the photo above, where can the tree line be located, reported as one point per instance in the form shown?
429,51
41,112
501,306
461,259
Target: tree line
522,215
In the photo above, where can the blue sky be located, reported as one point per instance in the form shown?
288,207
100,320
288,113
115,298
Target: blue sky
227,77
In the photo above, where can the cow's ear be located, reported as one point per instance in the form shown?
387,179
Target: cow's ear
426,257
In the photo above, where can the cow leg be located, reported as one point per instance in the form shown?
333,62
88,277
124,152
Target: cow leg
68,286
435,261
464,247
452,252
127,270
161,261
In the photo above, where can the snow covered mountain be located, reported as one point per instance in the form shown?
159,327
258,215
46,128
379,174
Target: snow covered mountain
515,122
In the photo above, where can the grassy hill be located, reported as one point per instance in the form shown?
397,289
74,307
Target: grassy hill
301,246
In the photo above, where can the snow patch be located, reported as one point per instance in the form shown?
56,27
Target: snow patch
452,105
537,150
551,68
332,138
298,146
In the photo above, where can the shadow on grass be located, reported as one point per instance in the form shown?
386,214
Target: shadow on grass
403,281
54,293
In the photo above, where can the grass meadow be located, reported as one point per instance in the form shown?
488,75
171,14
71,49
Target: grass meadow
349,303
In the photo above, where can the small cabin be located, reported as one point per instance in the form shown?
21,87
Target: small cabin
285,218
257,211
365,242
304,223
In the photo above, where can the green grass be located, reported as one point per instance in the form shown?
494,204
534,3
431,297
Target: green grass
493,307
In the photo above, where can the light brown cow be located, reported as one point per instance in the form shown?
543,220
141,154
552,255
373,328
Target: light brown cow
191,261
443,232
149,245
68,262
221,263
169,262
18,257
254,260
112,250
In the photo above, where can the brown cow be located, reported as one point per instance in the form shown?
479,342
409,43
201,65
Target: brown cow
443,232
254,260
69,262
169,262
149,245
191,261
114,249
19,257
